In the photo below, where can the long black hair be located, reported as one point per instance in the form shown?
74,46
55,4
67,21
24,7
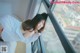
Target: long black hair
31,24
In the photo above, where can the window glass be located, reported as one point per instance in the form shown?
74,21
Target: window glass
49,36
68,16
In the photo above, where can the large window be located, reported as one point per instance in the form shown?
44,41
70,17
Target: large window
49,37
68,17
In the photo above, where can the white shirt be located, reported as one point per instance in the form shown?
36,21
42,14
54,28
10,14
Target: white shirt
12,32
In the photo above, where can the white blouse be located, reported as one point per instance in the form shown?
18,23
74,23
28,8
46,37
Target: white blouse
12,32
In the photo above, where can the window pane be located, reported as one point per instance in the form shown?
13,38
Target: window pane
68,15
50,39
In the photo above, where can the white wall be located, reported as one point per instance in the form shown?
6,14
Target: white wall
19,7
5,8
34,8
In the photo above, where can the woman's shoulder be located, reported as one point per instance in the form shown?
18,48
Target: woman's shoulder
9,20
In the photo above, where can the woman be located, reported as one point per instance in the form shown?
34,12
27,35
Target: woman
27,31
1,29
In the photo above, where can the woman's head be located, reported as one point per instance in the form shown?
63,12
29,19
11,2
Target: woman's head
37,23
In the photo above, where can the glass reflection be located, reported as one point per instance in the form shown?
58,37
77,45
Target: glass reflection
50,39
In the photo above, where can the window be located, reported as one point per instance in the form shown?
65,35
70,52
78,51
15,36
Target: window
49,37
68,16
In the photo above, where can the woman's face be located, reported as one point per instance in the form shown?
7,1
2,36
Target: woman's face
40,24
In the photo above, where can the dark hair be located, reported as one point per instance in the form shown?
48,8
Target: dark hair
25,25
31,24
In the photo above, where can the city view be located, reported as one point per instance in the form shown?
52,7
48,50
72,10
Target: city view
68,16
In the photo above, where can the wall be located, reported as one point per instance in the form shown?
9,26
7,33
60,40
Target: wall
18,8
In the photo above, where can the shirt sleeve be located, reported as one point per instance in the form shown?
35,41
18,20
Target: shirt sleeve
9,24
8,21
